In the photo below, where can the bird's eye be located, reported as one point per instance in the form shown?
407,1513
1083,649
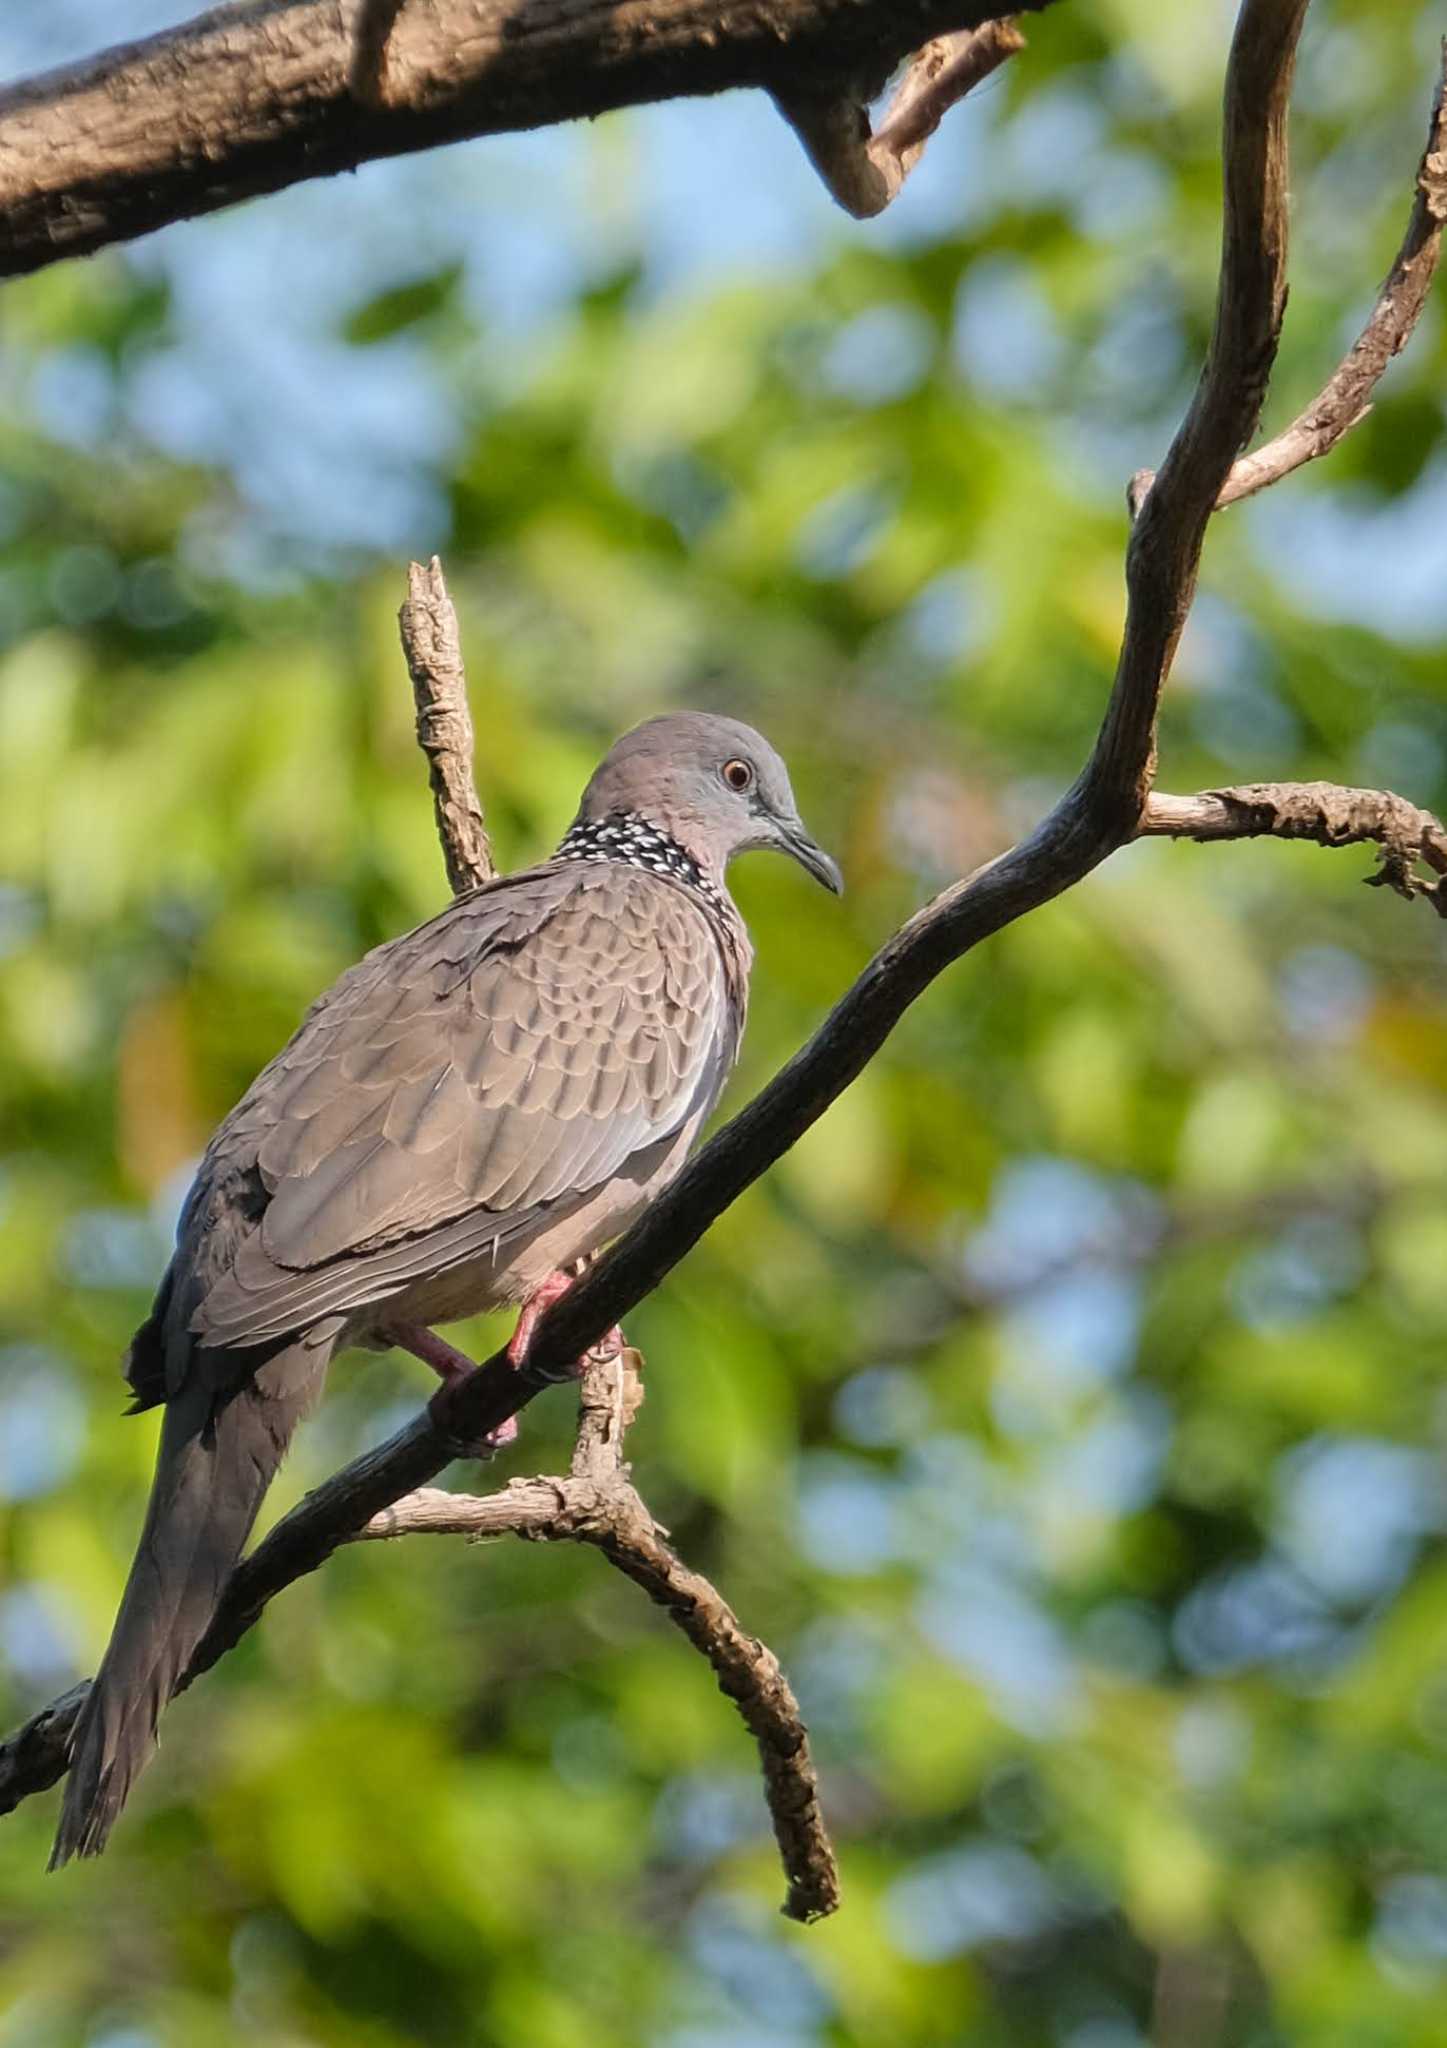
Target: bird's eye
738,775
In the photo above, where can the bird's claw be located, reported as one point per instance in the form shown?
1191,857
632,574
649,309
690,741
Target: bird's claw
547,1292
450,1366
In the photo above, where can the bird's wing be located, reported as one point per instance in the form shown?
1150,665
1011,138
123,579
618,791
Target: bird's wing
517,1051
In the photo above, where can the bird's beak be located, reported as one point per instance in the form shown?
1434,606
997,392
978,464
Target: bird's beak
795,841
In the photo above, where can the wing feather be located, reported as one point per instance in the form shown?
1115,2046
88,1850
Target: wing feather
516,1053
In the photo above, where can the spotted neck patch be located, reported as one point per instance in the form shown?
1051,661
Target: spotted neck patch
629,837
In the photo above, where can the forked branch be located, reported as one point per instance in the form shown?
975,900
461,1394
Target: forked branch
597,1503
1346,397
863,168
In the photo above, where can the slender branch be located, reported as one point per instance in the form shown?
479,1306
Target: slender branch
523,1507
433,648
255,95
597,1504
1325,812
1346,398
865,171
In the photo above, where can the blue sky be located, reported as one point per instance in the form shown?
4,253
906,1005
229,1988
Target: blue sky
340,444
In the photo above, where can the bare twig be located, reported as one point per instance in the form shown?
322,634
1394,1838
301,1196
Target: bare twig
1109,805
444,724
1346,398
253,96
865,171
596,1503
1324,812
521,1508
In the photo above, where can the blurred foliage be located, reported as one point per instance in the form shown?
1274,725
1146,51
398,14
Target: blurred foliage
1067,1409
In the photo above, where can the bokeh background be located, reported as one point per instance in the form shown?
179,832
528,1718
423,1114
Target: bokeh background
1068,1409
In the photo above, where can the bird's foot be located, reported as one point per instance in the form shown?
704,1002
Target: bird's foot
450,1365
550,1290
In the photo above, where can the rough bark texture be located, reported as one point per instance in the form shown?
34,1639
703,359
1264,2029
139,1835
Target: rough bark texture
1326,813
1346,397
433,647
864,171
596,1503
260,94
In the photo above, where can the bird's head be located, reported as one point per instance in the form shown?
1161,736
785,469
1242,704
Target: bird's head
713,785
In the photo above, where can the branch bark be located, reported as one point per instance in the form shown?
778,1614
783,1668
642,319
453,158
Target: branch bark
1346,398
596,1503
864,171
260,94
433,647
1164,552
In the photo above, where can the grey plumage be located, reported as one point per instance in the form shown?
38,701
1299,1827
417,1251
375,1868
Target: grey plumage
474,1105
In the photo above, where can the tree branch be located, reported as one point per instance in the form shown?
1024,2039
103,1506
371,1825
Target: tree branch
433,648
260,94
1324,812
865,171
597,1504
1346,398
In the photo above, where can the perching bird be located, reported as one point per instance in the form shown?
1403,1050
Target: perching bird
466,1113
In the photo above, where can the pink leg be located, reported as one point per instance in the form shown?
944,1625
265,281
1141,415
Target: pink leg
549,1290
449,1364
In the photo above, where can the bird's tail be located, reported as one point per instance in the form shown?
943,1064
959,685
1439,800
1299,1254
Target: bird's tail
217,1457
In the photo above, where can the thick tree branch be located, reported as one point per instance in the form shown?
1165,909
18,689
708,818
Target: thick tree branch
1346,398
259,94
865,170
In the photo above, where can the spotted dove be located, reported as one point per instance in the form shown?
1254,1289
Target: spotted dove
469,1111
